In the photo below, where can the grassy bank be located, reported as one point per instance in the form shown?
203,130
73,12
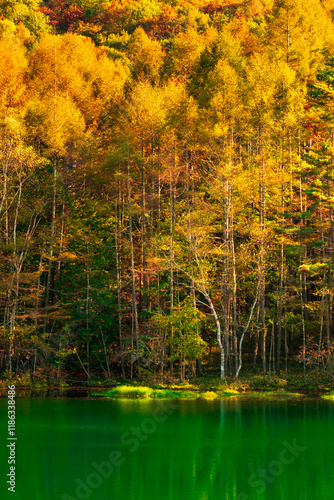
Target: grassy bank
188,392
210,387
329,396
207,387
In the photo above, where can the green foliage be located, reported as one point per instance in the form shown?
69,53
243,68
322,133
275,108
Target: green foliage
26,12
329,396
140,392
183,326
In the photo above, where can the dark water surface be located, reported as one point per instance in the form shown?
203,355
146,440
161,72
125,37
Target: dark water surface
70,449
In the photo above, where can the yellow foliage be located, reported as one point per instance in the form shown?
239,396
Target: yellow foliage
12,69
146,55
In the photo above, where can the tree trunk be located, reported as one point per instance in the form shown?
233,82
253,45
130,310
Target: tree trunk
118,280
135,328
52,236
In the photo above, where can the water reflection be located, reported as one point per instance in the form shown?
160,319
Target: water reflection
228,450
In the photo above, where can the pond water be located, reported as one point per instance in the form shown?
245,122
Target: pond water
75,449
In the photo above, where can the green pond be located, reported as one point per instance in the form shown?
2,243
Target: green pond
73,449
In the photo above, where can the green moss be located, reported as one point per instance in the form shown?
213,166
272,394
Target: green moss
227,393
140,392
188,395
165,394
209,395
143,392
281,393
184,386
329,396
126,391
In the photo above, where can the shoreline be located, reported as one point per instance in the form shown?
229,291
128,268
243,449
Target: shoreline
192,393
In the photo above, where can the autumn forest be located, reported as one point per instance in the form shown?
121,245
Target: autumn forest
166,188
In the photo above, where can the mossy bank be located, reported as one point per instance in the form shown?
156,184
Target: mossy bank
188,393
